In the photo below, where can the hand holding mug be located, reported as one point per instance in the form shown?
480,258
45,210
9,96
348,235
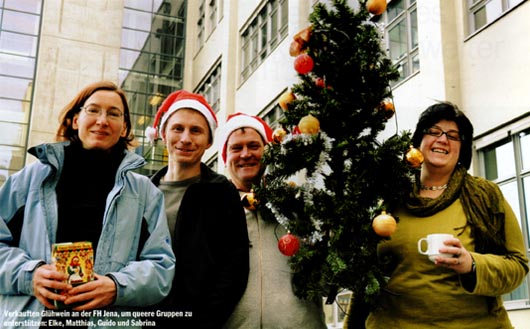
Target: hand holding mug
446,250
434,243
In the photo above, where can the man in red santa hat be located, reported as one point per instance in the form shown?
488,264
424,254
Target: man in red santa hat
205,216
269,300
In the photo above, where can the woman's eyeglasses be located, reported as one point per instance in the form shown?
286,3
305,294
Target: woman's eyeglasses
96,111
437,132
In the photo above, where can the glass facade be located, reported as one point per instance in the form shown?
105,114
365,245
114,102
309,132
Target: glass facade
19,37
151,65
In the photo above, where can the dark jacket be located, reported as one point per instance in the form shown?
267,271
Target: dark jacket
211,248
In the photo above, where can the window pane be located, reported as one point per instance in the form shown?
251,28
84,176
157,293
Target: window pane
30,6
14,110
499,162
525,150
19,44
493,9
509,190
12,159
17,65
526,191
285,13
480,18
394,9
128,58
487,13
145,5
137,20
520,293
414,28
13,134
14,88
134,39
415,63
20,22
398,40
513,3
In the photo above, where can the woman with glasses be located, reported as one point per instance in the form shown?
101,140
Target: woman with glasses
83,189
486,257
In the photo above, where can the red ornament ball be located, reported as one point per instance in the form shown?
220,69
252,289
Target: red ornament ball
288,244
319,82
303,63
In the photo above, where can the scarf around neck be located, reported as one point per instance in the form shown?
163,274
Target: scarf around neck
483,205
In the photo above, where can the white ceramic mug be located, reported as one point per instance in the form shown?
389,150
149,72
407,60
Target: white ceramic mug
434,242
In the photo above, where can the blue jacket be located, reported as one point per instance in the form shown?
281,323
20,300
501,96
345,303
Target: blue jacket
28,222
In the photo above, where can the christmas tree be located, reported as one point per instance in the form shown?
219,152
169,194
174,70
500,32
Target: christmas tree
330,140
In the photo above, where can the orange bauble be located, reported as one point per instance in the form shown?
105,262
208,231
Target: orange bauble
309,125
388,107
384,225
303,36
296,48
414,157
285,99
249,201
376,7
278,134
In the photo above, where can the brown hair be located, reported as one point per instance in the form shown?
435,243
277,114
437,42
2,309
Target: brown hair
65,132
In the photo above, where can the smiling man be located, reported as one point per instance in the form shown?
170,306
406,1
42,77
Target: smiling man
205,217
269,300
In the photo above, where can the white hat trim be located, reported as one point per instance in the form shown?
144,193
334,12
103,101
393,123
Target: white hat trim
192,104
237,122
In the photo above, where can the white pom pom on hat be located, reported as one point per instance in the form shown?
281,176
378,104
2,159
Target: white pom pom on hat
240,120
180,99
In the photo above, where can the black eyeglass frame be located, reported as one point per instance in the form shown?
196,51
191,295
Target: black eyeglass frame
438,132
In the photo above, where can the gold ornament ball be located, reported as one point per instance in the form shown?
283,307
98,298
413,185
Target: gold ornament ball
309,125
285,99
414,157
249,201
278,134
388,108
384,225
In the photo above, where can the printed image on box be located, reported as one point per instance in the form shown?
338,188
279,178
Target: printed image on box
75,259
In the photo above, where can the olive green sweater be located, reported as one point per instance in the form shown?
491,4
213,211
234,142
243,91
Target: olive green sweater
422,295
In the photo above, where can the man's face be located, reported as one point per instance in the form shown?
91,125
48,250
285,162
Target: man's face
187,137
244,150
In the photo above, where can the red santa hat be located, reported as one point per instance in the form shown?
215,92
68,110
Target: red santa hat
178,100
241,120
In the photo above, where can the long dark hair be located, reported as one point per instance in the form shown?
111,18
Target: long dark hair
65,132
450,112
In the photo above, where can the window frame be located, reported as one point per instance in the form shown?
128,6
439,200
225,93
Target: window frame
492,140
475,6
408,63
257,38
210,87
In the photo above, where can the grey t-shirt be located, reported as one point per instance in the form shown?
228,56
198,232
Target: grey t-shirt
173,194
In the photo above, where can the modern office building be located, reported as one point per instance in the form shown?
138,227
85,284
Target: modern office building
236,52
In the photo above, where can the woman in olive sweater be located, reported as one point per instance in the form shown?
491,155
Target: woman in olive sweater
488,253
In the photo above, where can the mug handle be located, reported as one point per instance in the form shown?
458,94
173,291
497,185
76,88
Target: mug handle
420,250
